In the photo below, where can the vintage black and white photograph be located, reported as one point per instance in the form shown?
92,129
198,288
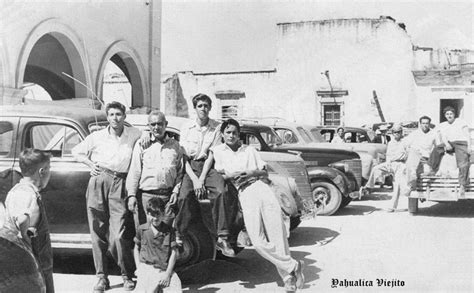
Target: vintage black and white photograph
236,146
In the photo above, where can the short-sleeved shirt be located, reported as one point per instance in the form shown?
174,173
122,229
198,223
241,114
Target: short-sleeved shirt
107,150
155,245
245,158
421,141
158,167
453,131
396,151
22,199
197,140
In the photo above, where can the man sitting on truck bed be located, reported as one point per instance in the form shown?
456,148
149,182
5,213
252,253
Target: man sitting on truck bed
454,137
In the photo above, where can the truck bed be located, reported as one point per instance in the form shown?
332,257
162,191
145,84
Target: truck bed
437,188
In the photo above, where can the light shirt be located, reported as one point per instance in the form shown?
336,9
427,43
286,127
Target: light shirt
245,158
421,142
158,167
453,131
109,151
396,151
197,140
337,139
22,199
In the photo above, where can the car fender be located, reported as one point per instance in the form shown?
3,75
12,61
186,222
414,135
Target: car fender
332,175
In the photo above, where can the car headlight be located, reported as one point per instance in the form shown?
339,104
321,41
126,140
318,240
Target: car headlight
341,166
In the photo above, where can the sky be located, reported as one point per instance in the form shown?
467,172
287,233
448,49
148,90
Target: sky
237,35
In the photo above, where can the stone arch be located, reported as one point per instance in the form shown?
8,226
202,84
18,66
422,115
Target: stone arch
4,66
128,60
69,44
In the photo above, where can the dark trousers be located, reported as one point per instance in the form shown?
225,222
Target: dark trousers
144,196
110,223
462,160
188,205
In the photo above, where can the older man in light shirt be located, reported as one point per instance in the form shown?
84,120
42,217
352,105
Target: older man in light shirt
156,171
108,153
201,180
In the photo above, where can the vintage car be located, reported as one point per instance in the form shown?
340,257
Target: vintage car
443,188
294,134
335,174
57,129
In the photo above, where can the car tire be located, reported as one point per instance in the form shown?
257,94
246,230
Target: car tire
345,201
327,197
412,205
294,222
198,245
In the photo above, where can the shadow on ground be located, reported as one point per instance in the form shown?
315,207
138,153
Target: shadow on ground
459,209
249,269
355,210
303,236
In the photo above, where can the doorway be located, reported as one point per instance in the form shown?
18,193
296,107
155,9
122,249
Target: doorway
457,104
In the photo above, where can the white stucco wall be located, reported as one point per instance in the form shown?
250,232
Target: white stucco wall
361,55
94,26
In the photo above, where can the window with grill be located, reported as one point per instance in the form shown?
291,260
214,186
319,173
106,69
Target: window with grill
332,114
230,104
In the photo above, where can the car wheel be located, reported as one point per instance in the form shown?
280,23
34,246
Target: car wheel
198,245
327,197
294,222
412,205
345,201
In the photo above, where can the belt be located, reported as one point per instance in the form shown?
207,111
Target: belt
159,191
113,173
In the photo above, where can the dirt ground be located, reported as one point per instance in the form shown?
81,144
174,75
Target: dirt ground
360,248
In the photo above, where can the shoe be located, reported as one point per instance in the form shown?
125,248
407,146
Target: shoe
364,191
224,247
128,285
179,240
243,240
388,210
102,285
298,273
290,284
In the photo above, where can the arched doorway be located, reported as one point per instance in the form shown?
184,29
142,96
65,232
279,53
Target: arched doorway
53,58
122,77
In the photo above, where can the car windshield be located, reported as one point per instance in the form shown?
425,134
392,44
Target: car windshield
316,135
305,135
270,137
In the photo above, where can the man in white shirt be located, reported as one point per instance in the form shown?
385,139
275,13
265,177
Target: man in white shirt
156,171
201,180
108,153
394,165
454,137
420,144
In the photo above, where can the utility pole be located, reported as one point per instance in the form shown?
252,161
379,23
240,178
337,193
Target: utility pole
377,104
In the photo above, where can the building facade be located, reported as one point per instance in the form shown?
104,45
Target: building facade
328,72
64,48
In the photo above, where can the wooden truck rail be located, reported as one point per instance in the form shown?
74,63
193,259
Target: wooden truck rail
434,188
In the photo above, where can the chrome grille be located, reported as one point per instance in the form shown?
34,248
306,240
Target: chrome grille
355,168
297,170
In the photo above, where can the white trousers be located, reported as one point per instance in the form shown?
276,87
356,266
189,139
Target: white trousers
265,226
146,280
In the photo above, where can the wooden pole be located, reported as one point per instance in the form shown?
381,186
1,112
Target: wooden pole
377,104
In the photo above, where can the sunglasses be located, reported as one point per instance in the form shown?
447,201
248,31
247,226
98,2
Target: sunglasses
154,124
